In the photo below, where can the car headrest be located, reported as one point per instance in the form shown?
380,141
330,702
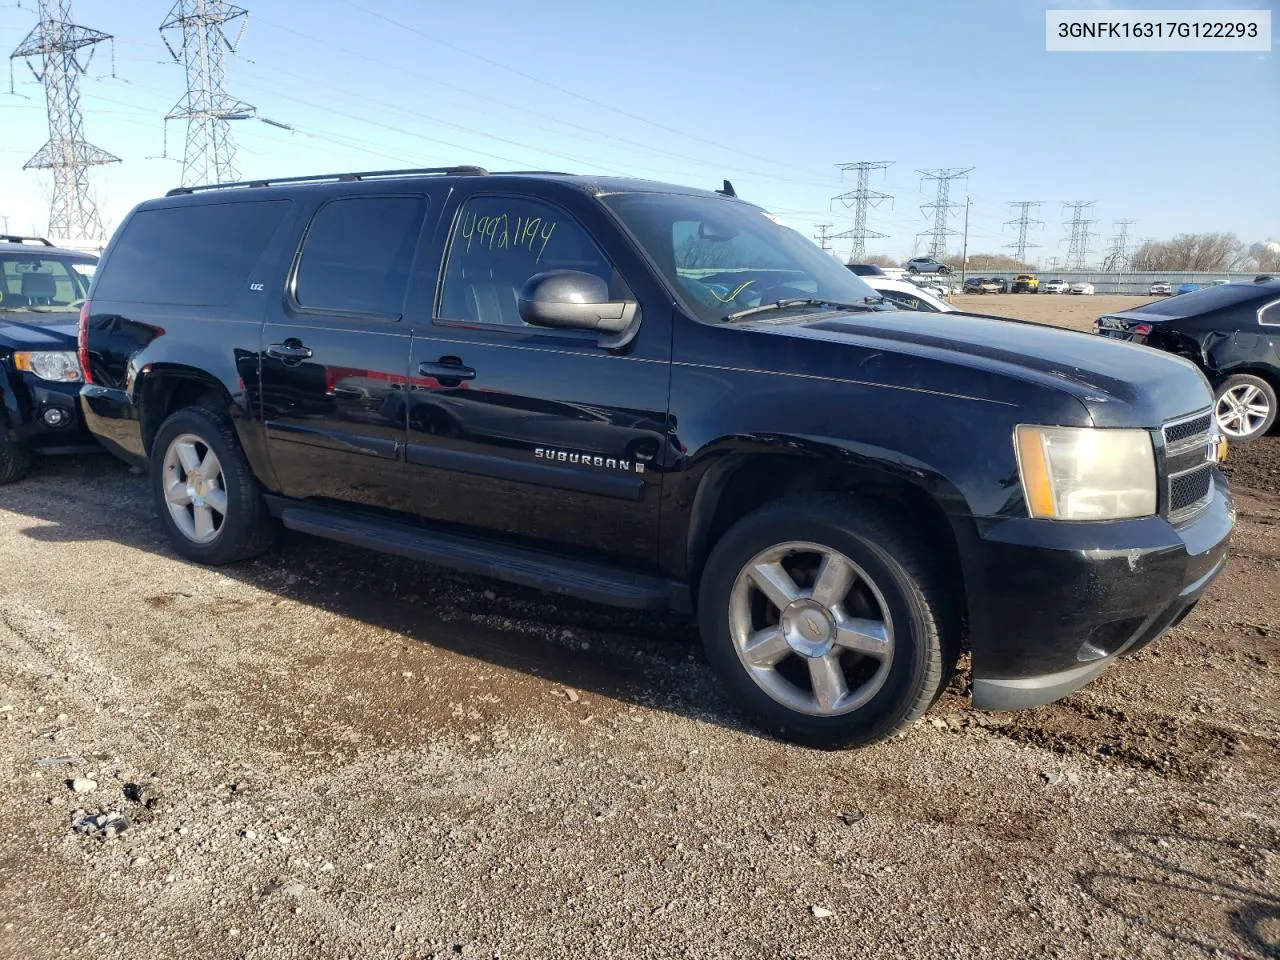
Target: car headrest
39,285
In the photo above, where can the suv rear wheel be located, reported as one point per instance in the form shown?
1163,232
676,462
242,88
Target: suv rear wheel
1245,407
827,622
206,493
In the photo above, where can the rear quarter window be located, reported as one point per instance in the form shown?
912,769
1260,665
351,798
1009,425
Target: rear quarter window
197,255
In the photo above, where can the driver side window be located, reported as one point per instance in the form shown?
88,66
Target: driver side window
499,242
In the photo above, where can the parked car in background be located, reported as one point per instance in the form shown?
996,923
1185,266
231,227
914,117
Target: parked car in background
931,284
1002,285
1085,289
865,269
1160,288
1054,286
1188,288
908,296
41,290
926,265
656,397
1026,283
980,285
1232,333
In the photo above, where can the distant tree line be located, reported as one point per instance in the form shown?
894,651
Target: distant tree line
1204,252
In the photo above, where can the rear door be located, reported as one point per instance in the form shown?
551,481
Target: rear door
524,431
335,352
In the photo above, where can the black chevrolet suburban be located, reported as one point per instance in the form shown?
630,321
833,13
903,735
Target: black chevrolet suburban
659,397
42,288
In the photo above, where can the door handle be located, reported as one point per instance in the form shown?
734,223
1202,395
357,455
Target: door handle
447,368
291,349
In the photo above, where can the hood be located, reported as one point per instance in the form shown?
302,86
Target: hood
1120,384
38,331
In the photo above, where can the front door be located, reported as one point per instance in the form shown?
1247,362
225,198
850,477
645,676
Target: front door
542,434
335,354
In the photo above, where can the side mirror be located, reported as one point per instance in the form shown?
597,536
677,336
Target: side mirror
572,300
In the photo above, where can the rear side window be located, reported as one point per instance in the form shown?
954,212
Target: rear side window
1270,315
499,243
191,255
357,254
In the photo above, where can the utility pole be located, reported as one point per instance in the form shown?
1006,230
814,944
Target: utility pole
1024,221
56,44
964,250
941,207
859,198
824,241
1078,246
1118,259
210,154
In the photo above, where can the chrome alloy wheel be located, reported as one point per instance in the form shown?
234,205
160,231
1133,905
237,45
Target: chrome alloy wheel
194,489
1242,410
811,628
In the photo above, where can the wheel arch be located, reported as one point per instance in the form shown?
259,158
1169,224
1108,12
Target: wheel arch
163,388
739,483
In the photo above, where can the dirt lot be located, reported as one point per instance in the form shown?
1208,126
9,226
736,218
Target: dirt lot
1063,310
329,753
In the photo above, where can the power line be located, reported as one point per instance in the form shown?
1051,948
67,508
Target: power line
941,207
1024,222
1118,258
595,134
564,90
210,154
1078,246
860,198
57,42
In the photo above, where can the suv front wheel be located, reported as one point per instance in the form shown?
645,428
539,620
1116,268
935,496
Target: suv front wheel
827,622
205,491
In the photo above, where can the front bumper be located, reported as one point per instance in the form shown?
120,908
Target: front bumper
47,418
1052,604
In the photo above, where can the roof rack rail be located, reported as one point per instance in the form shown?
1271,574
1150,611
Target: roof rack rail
15,238
463,171
531,173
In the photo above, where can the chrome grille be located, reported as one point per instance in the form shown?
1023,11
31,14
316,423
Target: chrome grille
1188,465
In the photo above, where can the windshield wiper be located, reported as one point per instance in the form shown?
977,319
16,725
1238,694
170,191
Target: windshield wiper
868,304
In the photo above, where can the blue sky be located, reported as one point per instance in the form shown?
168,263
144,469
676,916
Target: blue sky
771,95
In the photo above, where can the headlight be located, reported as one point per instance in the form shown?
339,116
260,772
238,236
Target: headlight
1086,473
59,366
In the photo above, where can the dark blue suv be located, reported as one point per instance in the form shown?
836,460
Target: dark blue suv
42,288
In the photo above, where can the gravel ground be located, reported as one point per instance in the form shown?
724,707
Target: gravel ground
331,753
1064,310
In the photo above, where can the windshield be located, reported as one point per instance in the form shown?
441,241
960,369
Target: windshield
725,256
36,283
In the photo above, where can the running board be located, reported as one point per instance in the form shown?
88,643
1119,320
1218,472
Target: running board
522,565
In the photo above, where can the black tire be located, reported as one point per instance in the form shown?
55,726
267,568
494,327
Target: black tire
15,461
247,528
897,559
1266,395
912,270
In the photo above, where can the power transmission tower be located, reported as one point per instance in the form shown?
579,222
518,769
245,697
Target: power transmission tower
861,197
1118,259
824,240
210,154
1024,221
1078,247
56,43
941,207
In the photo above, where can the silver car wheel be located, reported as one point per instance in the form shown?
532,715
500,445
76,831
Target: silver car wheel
194,489
1242,410
811,628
